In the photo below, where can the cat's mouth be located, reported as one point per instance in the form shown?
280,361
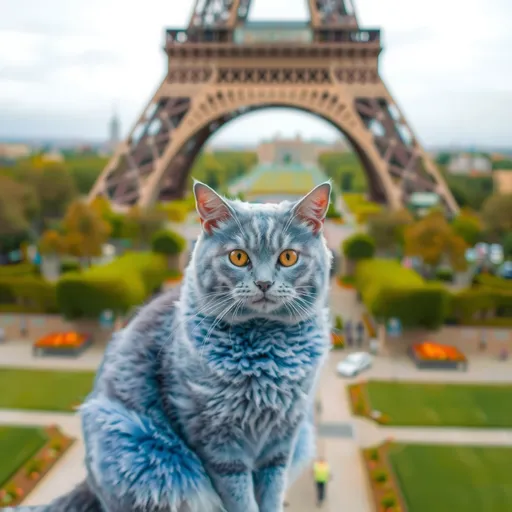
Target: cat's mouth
264,300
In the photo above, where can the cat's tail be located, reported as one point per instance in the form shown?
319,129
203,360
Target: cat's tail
80,499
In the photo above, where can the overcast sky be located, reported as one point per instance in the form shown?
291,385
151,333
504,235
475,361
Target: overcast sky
64,64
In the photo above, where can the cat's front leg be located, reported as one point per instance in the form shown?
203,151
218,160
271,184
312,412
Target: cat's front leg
270,476
230,472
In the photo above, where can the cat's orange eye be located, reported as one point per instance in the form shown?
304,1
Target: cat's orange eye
239,258
288,258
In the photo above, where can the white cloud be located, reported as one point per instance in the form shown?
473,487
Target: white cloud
65,63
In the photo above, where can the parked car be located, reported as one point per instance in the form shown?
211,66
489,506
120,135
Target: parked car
354,364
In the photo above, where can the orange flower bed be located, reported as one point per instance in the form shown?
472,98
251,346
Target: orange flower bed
431,351
338,340
62,340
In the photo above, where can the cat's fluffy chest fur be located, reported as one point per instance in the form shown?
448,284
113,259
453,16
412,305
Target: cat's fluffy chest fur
256,382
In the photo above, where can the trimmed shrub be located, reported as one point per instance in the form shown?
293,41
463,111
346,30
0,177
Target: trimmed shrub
445,275
70,266
20,269
27,294
332,213
380,475
358,247
388,501
498,283
392,291
126,282
481,304
168,242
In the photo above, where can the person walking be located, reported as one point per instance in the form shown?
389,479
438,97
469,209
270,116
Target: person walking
360,333
348,333
322,474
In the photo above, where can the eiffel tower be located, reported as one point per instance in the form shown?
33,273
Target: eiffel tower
222,66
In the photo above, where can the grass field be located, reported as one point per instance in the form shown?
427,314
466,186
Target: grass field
17,445
43,390
463,405
453,478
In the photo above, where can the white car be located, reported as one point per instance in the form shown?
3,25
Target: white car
354,364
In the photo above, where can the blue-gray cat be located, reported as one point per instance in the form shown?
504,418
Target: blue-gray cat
204,401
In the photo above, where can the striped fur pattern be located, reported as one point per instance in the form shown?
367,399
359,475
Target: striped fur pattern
203,403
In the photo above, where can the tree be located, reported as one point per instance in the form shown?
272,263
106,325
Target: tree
468,226
168,242
85,230
55,189
387,229
140,225
17,207
101,205
52,243
433,240
347,180
507,245
358,247
497,214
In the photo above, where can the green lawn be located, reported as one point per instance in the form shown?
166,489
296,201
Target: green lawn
463,405
17,445
43,390
453,478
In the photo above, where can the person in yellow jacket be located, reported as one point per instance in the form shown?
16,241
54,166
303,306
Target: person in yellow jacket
322,474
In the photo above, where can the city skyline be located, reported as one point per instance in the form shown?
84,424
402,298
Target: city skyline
63,66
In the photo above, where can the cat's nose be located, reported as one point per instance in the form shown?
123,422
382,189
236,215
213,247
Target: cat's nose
263,285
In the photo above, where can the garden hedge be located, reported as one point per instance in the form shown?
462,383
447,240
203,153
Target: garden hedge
27,294
495,282
168,242
126,282
481,305
359,246
392,291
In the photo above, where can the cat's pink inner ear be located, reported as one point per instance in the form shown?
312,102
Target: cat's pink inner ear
312,209
210,206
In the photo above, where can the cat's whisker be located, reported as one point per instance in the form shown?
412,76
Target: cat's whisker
217,320
186,319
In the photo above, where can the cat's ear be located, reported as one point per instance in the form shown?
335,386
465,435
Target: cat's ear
312,208
212,209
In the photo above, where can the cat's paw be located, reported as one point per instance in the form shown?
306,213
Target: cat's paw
141,464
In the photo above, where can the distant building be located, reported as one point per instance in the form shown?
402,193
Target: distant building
296,150
14,151
470,164
52,156
503,181
114,130
287,170
421,203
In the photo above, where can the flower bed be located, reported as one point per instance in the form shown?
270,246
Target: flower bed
29,475
370,326
346,282
361,406
62,344
338,340
434,355
383,484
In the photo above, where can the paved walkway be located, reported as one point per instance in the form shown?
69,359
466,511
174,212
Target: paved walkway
18,353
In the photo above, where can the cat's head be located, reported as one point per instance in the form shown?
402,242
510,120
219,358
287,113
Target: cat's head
261,260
